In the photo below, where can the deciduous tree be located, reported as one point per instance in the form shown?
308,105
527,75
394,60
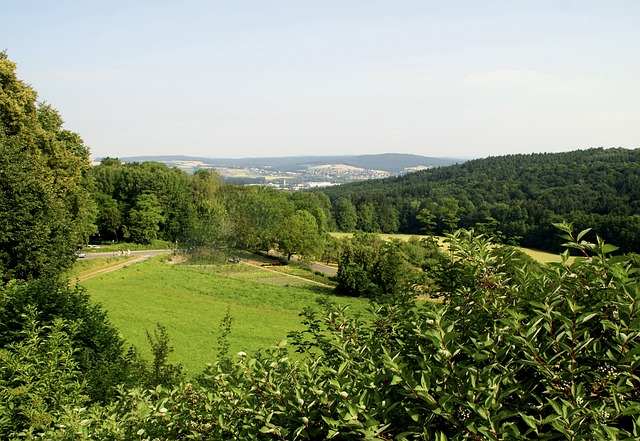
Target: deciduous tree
45,207
299,234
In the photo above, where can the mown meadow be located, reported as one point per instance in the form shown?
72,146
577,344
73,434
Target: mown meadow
192,300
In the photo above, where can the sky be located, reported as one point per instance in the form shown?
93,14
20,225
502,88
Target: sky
235,78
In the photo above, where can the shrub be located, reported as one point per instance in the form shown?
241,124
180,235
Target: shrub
98,349
39,375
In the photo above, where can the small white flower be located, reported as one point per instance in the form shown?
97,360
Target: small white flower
163,409
242,354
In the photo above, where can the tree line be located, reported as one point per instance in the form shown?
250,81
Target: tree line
142,202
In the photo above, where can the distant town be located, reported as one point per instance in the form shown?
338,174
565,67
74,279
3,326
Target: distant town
299,173
311,177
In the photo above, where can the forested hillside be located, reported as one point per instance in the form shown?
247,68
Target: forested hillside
516,196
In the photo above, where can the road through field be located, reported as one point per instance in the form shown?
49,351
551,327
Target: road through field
316,266
139,257
146,253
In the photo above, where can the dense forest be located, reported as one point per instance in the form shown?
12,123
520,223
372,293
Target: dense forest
511,349
516,197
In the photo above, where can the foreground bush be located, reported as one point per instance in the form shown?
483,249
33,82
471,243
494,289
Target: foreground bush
98,350
552,354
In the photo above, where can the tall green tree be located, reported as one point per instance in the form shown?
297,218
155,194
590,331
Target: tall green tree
450,210
255,215
426,219
144,219
344,212
299,234
109,220
45,207
367,221
207,224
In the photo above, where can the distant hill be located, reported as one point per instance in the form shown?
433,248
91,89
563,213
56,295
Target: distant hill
393,163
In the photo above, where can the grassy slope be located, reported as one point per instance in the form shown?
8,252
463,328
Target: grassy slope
192,300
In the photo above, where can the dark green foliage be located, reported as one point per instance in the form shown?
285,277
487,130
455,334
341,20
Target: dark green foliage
255,215
299,234
144,201
345,215
109,219
98,350
358,259
144,220
206,226
381,270
39,376
367,221
318,205
517,197
161,372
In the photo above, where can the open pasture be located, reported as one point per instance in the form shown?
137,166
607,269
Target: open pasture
191,301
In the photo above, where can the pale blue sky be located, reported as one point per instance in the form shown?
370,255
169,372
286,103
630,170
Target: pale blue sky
274,78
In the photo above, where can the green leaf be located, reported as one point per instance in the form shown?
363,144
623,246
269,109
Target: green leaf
582,233
586,317
529,420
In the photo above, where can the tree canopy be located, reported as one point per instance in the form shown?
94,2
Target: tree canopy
45,206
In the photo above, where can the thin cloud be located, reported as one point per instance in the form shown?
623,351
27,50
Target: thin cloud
529,79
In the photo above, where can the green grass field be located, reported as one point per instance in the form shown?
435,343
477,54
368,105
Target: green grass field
191,301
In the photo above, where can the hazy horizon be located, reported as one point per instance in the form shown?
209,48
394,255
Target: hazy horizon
262,79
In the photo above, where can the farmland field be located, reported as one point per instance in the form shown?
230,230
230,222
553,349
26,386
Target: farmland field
191,301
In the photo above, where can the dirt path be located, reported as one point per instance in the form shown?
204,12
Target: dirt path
258,265
114,267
